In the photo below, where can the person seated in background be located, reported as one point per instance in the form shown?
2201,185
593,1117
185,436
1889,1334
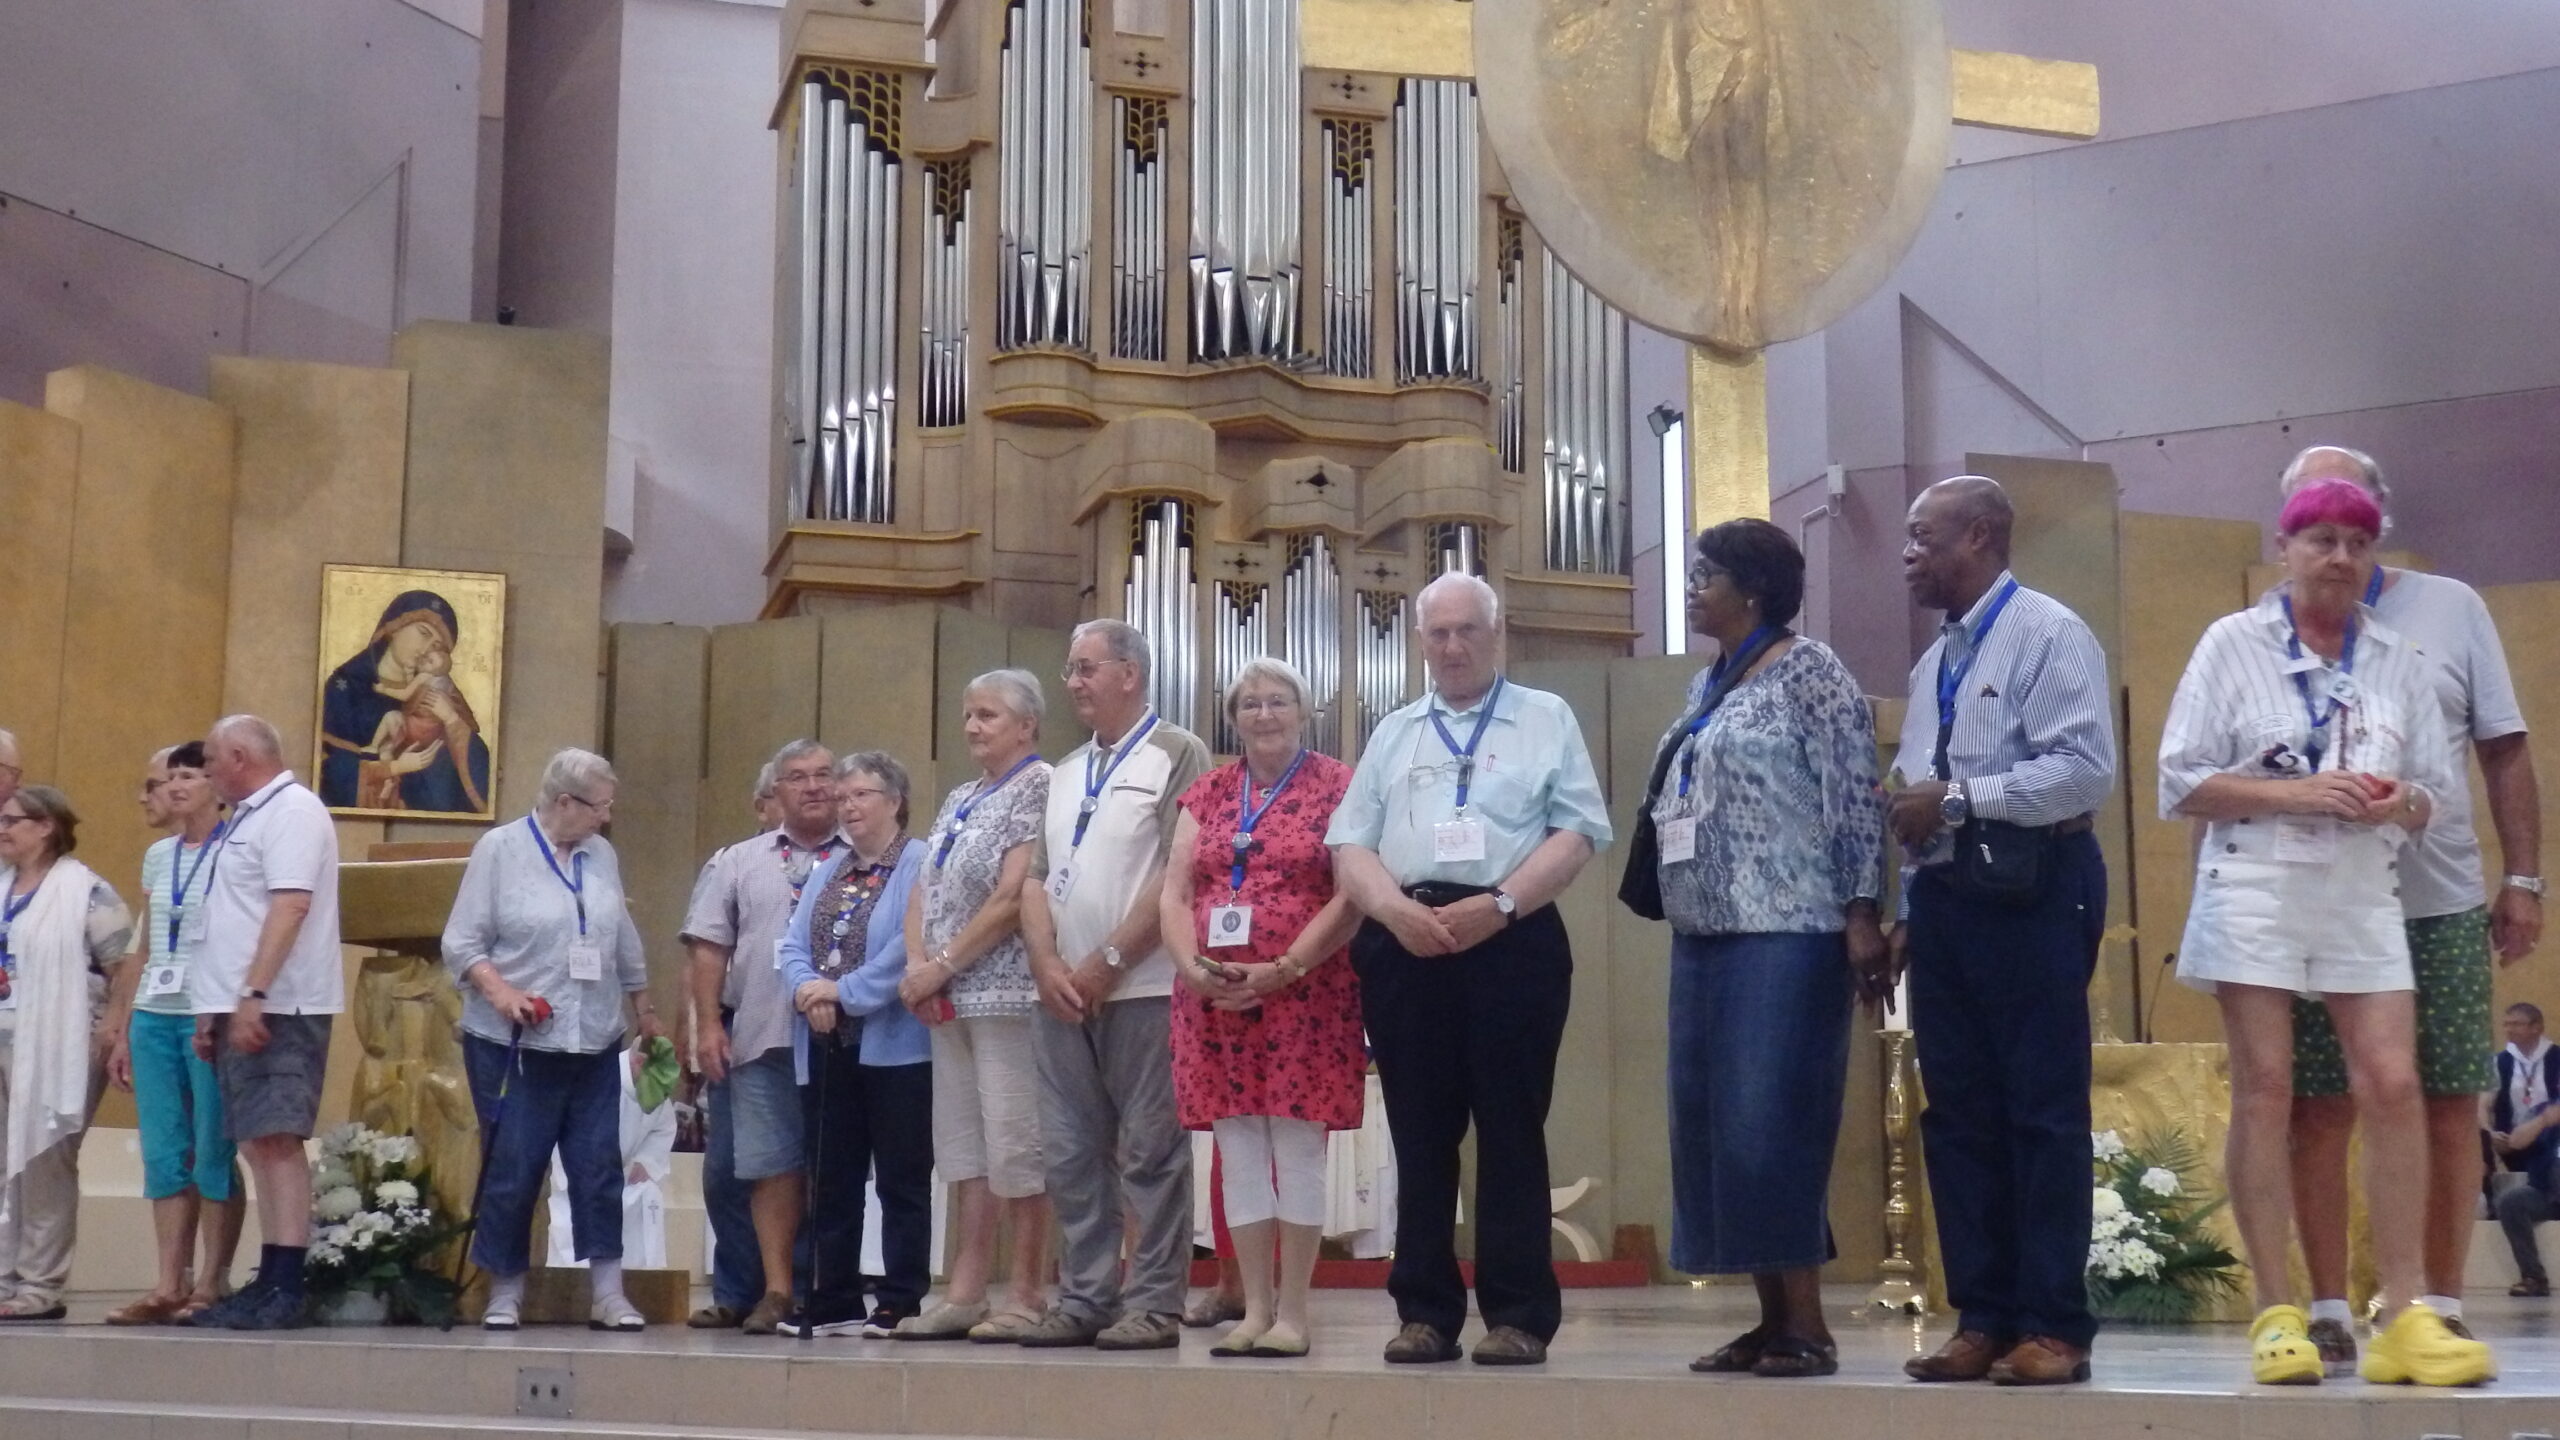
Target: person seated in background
2528,1072
2533,1147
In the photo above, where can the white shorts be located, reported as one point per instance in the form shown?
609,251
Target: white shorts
2330,928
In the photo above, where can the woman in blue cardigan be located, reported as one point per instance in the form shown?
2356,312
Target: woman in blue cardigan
865,1062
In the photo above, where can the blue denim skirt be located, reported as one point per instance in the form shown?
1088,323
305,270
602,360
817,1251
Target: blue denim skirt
1759,1061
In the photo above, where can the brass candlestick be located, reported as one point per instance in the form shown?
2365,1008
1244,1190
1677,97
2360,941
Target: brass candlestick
1899,1292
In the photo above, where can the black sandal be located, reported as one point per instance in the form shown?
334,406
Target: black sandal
1738,1355
1789,1357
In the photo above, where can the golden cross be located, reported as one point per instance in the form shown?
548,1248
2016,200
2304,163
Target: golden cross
1728,412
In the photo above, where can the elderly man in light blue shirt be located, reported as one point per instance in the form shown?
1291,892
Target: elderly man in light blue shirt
1472,809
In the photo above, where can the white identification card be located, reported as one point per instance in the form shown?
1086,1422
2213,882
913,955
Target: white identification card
586,959
1230,925
191,925
1457,840
1061,881
2306,839
1677,833
164,979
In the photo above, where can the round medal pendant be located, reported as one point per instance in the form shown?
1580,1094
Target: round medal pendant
1089,806
841,928
2342,688
1244,842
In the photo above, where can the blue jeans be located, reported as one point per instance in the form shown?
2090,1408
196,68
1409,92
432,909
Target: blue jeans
565,1101
737,1267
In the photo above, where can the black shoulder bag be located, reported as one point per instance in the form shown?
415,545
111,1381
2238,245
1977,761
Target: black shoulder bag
1640,888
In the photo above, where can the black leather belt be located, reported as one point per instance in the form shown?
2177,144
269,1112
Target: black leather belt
2076,825
1440,892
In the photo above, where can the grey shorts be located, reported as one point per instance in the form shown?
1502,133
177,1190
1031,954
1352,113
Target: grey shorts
764,1106
277,1090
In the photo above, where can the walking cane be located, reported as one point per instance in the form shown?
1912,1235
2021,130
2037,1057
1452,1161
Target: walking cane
489,1142
821,1044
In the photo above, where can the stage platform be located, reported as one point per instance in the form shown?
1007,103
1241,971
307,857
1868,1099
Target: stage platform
1618,1370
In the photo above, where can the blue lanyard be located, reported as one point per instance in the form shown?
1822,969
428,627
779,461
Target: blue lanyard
178,888
1951,683
1467,756
1715,676
10,910
1093,782
230,837
960,818
2373,587
1249,814
2318,743
577,862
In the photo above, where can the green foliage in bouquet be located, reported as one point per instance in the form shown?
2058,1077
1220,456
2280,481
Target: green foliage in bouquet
2152,1259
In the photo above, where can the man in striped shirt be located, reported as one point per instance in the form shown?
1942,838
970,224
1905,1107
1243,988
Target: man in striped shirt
2008,724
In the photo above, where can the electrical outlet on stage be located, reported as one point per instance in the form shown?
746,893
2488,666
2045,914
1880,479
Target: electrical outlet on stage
547,1391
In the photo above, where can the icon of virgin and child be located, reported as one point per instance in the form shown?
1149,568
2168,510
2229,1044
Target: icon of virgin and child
396,731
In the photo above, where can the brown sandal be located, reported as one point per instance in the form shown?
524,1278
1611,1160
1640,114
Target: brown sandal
150,1310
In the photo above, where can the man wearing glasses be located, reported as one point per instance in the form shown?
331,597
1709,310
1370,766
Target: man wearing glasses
1472,809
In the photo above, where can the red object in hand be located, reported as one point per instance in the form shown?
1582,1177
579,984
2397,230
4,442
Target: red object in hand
944,1012
541,1011
2375,787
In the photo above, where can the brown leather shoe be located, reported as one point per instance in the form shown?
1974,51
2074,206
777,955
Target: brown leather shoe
2041,1360
1967,1355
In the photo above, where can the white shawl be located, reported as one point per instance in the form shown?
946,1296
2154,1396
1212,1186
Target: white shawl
49,1064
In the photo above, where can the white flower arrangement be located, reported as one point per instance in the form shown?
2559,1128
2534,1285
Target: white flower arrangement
2150,1256
376,1223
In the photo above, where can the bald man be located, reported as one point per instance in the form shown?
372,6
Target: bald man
2009,762
10,773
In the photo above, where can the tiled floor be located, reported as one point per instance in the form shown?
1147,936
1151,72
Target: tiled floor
1617,1368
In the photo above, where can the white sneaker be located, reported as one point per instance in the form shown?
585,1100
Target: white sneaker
502,1313
614,1311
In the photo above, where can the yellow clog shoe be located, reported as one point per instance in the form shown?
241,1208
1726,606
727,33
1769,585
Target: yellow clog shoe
2280,1348
2418,1350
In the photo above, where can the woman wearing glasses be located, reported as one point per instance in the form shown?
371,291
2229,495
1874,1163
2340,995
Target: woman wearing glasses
545,951
1267,1050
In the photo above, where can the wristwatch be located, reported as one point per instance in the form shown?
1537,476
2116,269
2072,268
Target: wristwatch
1503,902
2529,884
248,994
1953,808
1111,956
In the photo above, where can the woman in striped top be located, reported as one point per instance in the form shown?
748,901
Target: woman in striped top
2306,737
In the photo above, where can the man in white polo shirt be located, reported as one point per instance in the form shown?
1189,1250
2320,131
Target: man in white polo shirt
1108,1127
264,983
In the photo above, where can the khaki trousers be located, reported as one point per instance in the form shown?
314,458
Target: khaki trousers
40,1209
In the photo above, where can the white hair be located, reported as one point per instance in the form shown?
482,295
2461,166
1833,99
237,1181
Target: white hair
2369,476
794,751
9,746
1016,690
575,772
1124,640
1459,582
1265,667
764,783
253,734
882,766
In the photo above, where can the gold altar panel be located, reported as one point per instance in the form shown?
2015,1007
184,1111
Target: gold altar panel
39,474
2022,93
322,450
150,541
763,694
1726,428
655,723
2179,575
2527,616
1395,37
506,462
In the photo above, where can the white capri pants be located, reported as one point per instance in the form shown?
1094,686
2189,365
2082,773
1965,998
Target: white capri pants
1274,1169
986,1105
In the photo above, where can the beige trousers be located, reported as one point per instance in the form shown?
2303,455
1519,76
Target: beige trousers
40,1209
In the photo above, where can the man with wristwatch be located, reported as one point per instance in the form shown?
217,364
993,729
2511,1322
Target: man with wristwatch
1472,809
2006,749
2455,924
264,984
1109,1127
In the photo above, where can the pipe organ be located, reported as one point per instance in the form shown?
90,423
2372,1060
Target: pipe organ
1381,374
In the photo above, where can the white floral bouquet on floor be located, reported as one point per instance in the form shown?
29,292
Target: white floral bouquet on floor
2151,1258
375,1224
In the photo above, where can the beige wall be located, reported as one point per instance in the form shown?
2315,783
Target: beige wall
39,477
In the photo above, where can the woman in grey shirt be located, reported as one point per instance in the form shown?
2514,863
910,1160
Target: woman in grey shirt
1771,827
543,946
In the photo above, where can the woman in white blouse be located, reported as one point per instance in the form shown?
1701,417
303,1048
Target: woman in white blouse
546,954
2306,737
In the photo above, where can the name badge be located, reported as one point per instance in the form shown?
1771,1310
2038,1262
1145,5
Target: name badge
1061,881
2306,839
1677,834
1457,840
586,959
1230,925
191,925
163,980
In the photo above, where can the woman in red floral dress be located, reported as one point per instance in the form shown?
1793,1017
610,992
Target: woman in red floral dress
1267,1048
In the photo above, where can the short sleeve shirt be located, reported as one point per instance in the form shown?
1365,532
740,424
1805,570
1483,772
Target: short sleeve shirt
957,883
744,902
172,903
279,839
1135,806
2449,624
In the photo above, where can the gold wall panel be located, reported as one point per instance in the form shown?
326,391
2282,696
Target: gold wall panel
2019,92
506,457
150,585
39,475
1044,653
656,720
2527,616
763,694
1727,429
1395,37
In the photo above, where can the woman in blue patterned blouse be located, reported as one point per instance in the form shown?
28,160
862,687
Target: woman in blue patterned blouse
1771,827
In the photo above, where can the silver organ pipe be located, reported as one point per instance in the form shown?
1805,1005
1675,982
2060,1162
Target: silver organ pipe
1045,215
1243,634
1137,220
1455,545
1382,670
842,374
1311,621
1159,598
1438,228
945,330
827,485
1244,179
1585,451
1348,201
801,383
1511,401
